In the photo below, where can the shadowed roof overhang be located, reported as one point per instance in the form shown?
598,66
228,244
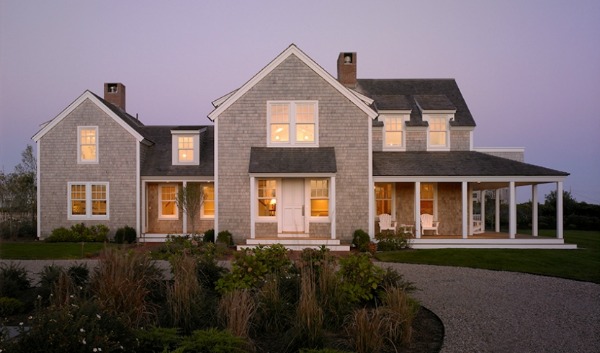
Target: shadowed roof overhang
454,163
292,160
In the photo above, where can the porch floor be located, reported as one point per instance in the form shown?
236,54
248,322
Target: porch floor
489,240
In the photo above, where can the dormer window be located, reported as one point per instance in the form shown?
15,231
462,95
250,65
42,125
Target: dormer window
186,147
393,133
292,123
438,136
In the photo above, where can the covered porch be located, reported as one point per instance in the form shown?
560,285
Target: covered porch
489,240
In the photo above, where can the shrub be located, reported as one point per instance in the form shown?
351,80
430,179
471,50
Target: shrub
209,271
323,350
79,274
360,240
157,339
212,340
13,280
225,237
360,278
184,295
236,310
125,234
61,234
390,241
10,306
400,311
209,236
79,233
365,331
309,317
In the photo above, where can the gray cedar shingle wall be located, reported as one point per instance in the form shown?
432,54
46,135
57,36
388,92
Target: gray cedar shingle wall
58,166
341,125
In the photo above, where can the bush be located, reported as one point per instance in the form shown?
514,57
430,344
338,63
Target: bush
79,233
157,339
390,241
209,236
360,278
10,306
225,237
125,234
361,240
13,280
212,340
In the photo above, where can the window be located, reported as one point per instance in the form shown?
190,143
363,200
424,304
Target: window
167,205
88,200
87,141
292,123
438,131
383,198
319,198
393,137
267,198
186,147
427,198
208,207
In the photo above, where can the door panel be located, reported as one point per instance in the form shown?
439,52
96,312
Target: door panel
293,206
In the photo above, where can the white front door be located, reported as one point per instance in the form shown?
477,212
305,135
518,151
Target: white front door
292,205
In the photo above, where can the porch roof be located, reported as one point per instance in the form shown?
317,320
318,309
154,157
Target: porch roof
292,160
453,163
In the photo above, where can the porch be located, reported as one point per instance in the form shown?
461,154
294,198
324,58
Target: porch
489,240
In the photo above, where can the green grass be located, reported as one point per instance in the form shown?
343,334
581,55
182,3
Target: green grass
582,264
43,251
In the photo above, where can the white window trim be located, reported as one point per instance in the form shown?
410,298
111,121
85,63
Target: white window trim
404,118
88,202
393,200
267,219
308,204
175,134
160,210
448,117
435,198
292,132
202,215
79,159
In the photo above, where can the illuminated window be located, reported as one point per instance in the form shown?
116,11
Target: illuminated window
208,207
427,198
267,198
185,149
292,123
87,141
167,204
438,131
319,198
88,201
393,137
383,198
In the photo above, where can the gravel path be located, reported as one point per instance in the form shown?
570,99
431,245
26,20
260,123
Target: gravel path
495,311
490,311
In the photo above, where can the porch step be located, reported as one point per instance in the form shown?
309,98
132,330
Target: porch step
152,238
470,243
300,243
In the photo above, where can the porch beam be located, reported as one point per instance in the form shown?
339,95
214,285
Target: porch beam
497,218
559,210
512,214
534,210
417,209
465,211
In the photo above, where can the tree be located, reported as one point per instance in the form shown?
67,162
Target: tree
190,199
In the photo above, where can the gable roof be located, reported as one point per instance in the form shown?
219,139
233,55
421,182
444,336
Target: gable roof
408,94
221,104
292,160
130,124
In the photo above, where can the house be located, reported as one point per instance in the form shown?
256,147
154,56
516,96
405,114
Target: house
293,156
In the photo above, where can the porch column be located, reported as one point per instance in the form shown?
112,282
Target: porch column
482,212
534,210
497,218
143,210
252,207
465,210
559,210
332,207
512,213
184,213
418,209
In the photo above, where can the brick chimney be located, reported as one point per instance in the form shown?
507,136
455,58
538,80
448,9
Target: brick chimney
346,67
115,94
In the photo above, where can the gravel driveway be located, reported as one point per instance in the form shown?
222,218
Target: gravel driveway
492,311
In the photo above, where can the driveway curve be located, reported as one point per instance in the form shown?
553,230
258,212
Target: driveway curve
496,311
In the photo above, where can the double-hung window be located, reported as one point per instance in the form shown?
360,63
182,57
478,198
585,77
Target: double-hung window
88,200
393,135
292,123
167,202
428,198
208,206
87,144
438,134
267,198
186,147
384,198
319,198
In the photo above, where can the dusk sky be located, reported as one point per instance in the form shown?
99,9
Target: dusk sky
529,70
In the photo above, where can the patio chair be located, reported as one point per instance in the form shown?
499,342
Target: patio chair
427,223
386,223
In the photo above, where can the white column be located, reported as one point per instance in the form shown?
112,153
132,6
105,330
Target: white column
497,218
144,211
482,213
417,209
332,208
534,210
184,213
512,213
465,210
252,207
559,210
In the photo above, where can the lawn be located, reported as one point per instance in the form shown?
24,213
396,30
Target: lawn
44,251
582,264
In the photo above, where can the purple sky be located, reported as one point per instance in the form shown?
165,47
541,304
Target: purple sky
529,70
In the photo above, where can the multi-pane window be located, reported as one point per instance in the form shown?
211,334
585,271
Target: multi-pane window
185,148
167,202
88,200
438,131
292,123
394,132
383,198
267,198
319,198
208,207
87,144
427,198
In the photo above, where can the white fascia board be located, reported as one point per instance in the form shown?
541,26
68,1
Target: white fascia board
292,50
292,175
395,112
162,179
471,179
217,102
449,111
362,97
499,149
185,132
86,95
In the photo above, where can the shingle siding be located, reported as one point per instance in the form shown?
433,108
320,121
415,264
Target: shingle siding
460,140
58,166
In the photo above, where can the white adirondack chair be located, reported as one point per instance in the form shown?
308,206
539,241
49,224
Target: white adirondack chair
427,223
386,223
